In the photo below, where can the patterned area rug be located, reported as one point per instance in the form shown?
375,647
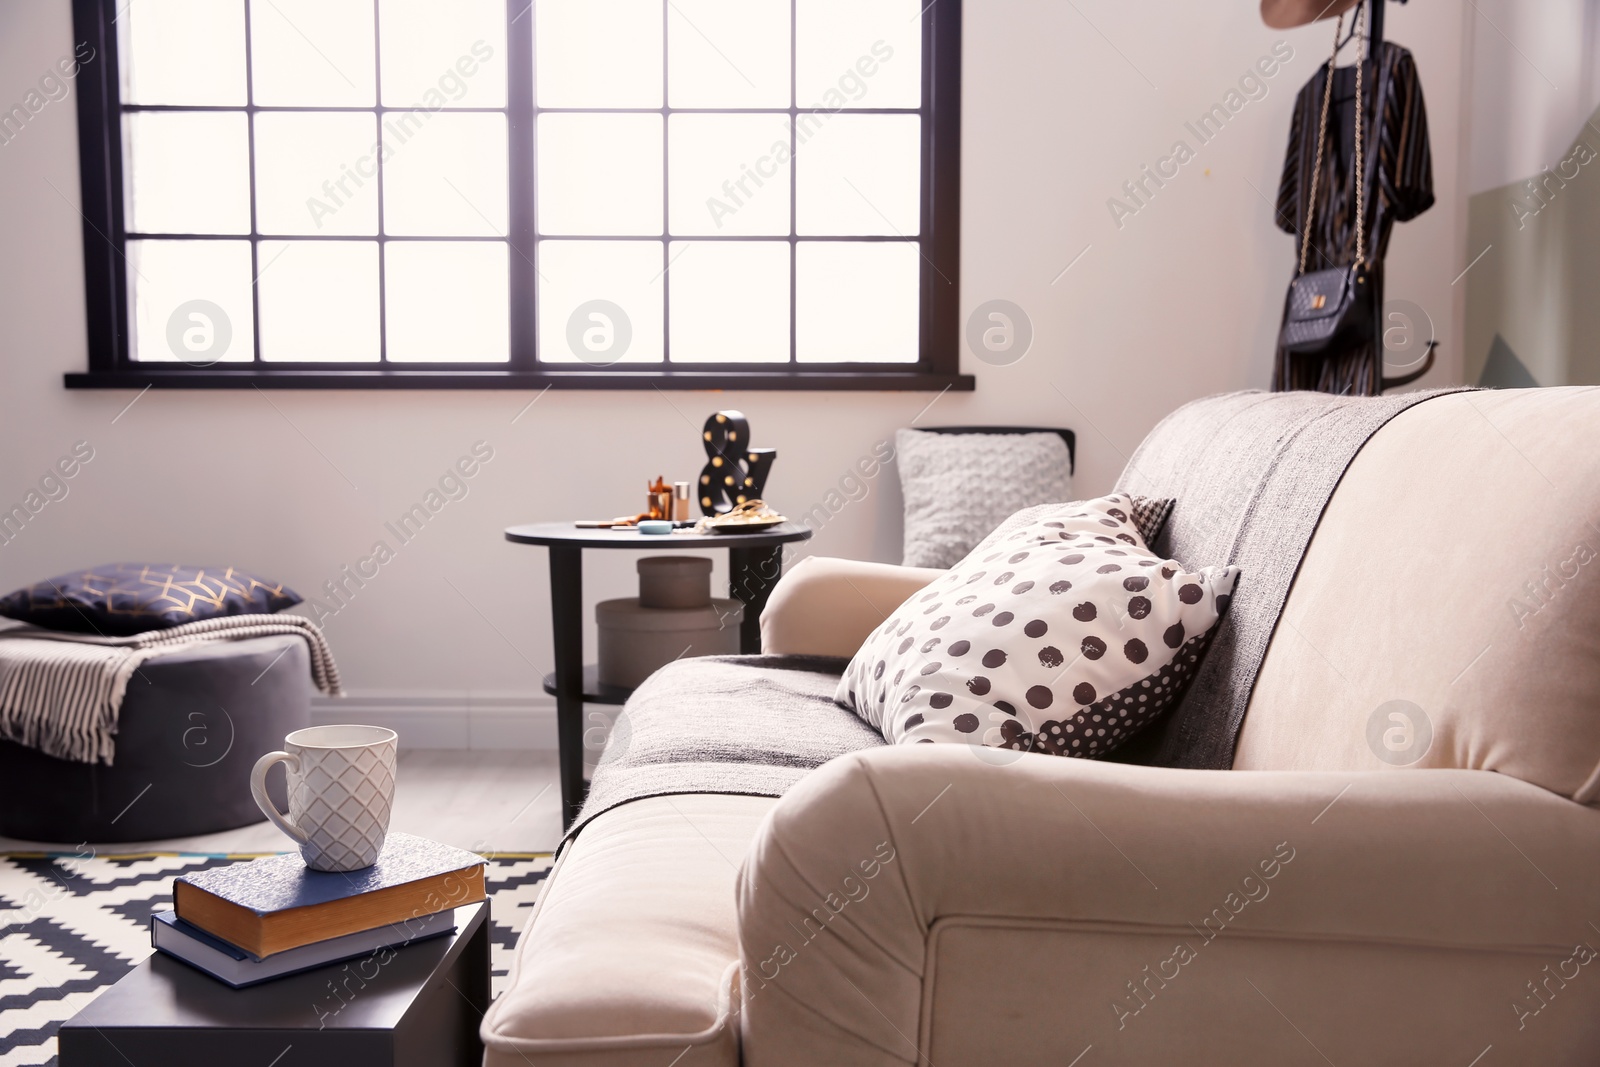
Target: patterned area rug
71,925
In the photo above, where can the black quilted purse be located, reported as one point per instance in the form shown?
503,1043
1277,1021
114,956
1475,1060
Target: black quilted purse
1328,308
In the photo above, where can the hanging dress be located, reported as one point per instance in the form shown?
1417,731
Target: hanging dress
1399,187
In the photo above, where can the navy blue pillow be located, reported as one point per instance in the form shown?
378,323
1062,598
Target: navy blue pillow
119,599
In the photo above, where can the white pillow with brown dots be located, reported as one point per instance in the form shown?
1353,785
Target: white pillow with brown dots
1060,633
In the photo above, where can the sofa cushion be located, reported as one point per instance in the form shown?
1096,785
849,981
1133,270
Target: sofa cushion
730,725
1150,515
1060,632
630,956
1447,611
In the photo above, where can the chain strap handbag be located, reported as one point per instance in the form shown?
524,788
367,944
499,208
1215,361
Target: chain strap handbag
1328,307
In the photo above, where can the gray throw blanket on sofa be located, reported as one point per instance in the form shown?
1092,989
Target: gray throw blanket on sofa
1251,473
749,725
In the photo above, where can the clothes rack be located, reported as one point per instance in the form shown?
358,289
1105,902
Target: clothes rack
1396,124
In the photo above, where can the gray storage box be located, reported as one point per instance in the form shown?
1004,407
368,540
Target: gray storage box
675,582
636,640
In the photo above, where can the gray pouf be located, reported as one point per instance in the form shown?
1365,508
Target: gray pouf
192,725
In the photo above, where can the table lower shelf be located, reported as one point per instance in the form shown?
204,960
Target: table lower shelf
593,691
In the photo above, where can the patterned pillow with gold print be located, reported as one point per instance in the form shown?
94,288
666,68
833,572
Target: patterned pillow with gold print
119,599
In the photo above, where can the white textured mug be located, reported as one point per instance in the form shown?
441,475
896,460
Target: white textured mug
341,790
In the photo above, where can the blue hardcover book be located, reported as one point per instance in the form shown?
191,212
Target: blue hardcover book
272,905
237,968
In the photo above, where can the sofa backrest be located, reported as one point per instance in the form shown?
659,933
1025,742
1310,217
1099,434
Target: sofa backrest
1447,610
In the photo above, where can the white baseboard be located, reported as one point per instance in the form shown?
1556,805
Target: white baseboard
449,720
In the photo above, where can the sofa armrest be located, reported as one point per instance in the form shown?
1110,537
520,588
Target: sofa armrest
826,606
940,903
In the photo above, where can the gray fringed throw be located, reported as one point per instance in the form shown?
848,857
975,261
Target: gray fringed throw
61,693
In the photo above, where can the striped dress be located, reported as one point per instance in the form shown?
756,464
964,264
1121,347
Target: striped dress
1399,186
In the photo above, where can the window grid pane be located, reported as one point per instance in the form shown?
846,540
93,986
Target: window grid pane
322,190
734,208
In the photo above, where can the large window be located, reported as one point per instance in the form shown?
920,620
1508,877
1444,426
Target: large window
591,193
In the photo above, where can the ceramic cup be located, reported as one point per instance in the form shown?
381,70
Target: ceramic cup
341,789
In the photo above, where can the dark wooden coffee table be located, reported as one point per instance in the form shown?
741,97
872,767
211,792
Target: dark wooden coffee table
755,563
419,1009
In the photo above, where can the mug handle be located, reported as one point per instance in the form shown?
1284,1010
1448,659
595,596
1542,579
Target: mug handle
258,789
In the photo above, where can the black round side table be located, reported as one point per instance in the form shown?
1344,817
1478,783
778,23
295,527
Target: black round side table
755,563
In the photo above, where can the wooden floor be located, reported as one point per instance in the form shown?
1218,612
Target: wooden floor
483,801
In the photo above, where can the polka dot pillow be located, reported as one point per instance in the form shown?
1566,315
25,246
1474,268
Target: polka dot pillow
1060,633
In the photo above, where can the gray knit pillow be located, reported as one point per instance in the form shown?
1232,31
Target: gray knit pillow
959,487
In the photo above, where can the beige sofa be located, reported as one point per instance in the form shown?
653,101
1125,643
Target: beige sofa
1317,904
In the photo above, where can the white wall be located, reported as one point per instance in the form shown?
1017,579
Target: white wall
1534,210
1063,103
1536,80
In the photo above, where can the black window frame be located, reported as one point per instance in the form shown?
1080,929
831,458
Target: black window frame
105,261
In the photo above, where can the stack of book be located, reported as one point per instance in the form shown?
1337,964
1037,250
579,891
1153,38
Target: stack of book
251,922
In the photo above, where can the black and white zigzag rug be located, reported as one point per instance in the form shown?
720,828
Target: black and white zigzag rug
71,925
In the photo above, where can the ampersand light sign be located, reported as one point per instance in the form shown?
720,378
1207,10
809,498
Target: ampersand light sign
735,471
